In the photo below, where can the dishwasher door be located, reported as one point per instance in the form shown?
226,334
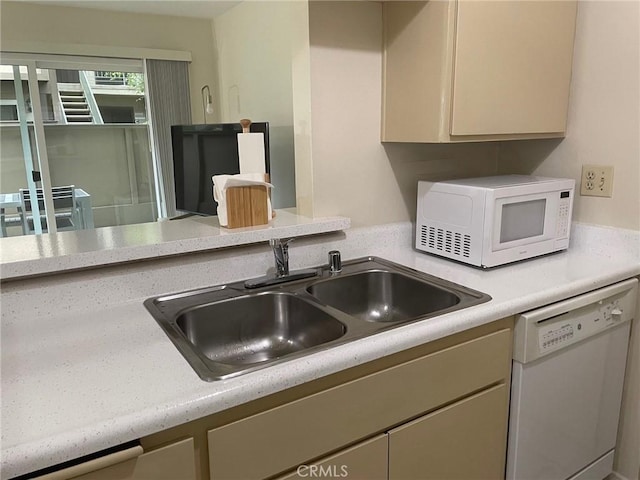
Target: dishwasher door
566,390
565,409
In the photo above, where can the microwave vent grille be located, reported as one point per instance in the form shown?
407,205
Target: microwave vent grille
439,239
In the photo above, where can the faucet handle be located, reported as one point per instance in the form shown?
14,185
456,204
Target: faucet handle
335,262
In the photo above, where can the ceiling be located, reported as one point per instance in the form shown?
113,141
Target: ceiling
180,8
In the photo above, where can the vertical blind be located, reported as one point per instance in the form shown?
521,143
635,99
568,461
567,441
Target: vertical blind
169,104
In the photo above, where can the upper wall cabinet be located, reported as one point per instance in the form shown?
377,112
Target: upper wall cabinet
472,70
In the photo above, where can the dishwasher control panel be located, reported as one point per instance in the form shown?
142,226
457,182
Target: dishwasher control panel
555,335
548,329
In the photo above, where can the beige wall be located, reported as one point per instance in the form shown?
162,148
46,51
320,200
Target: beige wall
66,25
254,42
253,47
353,173
357,176
604,115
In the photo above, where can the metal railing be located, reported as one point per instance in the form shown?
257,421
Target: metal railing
110,78
91,100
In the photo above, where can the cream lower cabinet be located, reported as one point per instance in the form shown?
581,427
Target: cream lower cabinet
457,391
460,441
171,462
366,461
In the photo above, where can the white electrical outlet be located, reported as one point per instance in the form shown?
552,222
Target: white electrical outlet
597,180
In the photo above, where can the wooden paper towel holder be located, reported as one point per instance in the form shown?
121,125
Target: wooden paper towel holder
247,205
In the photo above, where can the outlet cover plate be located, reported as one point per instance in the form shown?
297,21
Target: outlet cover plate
597,181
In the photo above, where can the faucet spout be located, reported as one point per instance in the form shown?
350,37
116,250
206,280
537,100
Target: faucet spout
280,249
281,255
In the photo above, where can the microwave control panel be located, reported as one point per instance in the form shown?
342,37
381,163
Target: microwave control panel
564,214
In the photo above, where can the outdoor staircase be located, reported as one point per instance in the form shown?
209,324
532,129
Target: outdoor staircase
75,107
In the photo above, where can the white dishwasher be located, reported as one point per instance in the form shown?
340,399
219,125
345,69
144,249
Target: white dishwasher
569,360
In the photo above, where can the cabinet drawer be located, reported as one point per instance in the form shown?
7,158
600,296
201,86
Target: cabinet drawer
282,438
464,440
172,462
367,461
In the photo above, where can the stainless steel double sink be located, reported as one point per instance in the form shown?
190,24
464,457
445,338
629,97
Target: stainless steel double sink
228,330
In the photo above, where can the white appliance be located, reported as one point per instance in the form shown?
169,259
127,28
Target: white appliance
566,388
491,221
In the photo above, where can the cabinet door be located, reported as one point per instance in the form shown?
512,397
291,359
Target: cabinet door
416,63
364,461
512,67
464,441
172,462
279,439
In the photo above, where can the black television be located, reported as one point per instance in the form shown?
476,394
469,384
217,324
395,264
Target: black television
201,151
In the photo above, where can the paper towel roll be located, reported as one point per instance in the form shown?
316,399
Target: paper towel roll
251,153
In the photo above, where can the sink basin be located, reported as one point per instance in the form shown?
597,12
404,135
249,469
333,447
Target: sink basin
254,329
228,330
383,296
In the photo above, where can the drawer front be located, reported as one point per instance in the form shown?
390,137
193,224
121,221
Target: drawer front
282,438
465,440
367,460
172,462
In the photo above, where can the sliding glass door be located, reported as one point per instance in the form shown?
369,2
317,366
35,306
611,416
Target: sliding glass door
99,142
95,146
20,145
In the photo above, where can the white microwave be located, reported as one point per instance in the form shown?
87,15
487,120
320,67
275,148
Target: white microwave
490,221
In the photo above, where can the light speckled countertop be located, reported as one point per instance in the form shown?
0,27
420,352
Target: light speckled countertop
29,255
102,372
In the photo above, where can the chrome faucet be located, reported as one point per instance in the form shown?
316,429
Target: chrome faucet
280,249
281,255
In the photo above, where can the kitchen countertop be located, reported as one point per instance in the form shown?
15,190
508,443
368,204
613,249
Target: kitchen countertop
29,255
84,379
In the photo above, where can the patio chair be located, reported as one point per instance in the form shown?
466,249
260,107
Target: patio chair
64,204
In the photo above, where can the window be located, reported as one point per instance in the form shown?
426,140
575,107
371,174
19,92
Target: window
8,111
95,137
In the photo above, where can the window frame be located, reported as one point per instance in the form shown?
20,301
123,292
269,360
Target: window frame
34,62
